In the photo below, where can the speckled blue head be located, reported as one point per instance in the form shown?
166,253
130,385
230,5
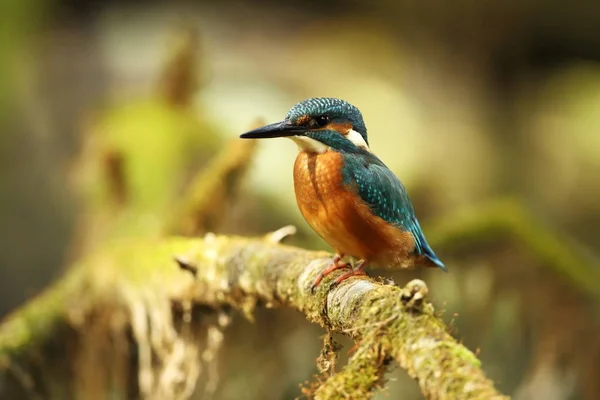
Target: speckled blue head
318,125
336,110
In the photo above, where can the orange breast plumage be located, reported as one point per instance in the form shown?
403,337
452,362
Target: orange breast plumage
340,217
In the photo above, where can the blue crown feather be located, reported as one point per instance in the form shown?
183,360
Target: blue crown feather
337,109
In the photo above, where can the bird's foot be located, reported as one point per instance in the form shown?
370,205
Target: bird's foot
335,265
357,271
414,293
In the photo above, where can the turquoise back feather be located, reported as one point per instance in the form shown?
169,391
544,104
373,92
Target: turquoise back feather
386,196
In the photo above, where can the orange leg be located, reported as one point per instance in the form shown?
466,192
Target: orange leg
335,265
357,271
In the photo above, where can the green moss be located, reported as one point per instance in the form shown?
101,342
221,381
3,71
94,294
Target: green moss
467,355
241,272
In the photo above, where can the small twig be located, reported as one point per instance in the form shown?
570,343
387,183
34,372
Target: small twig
414,293
186,266
281,233
208,196
358,379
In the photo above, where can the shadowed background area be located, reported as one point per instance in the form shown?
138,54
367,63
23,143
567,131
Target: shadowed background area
108,110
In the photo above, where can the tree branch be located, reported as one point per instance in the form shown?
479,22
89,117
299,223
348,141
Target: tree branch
385,320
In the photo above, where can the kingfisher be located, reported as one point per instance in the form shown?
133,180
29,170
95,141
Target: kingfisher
345,193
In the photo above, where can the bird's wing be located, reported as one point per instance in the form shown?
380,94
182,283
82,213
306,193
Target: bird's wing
386,196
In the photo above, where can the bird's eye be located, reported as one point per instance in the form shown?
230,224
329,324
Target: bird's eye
322,120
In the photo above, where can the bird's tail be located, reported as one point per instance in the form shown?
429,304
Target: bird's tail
424,249
432,257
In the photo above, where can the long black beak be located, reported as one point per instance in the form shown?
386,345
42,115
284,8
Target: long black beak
278,129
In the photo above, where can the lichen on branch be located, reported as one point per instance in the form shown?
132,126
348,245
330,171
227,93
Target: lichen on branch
384,320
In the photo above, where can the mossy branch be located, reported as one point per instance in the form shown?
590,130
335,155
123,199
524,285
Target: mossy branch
386,321
359,378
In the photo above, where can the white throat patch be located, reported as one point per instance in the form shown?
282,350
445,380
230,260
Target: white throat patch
305,143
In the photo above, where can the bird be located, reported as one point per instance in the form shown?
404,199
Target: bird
348,196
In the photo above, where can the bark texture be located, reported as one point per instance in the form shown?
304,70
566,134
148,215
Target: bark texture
139,286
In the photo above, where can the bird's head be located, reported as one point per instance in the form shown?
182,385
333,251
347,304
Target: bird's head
319,124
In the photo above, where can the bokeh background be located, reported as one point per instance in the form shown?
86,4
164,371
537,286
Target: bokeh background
107,108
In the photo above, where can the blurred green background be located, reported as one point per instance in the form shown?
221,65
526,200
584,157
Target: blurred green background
107,108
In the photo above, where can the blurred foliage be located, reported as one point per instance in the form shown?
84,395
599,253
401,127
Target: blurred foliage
139,156
465,101
123,174
18,22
